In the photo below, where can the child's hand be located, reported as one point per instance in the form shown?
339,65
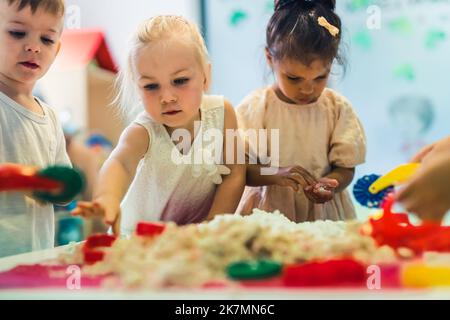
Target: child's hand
295,177
106,207
423,153
427,193
322,191
432,151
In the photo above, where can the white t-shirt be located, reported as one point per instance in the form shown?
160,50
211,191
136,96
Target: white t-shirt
29,139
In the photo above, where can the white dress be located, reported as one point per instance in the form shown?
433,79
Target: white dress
164,189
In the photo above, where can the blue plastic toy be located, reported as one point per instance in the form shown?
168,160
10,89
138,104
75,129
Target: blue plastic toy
364,196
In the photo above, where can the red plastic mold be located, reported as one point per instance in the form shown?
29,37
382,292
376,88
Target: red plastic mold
342,272
396,231
18,177
92,252
149,229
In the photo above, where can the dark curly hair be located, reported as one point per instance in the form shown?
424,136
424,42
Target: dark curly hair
293,31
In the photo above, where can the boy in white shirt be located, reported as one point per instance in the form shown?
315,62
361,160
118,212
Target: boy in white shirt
30,133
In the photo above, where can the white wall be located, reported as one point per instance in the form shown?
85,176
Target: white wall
120,18
237,49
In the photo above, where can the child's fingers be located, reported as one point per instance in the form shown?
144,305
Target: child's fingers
429,214
434,214
85,205
98,210
425,212
325,184
87,209
298,179
287,182
304,173
116,225
416,207
81,209
76,212
403,194
82,212
318,195
323,195
411,200
422,203
322,191
308,177
309,192
407,193
110,216
330,183
422,153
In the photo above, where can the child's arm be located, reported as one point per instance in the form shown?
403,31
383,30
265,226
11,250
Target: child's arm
343,176
256,179
116,175
229,192
295,177
87,161
432,151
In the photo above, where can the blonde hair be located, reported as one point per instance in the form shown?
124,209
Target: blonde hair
157,29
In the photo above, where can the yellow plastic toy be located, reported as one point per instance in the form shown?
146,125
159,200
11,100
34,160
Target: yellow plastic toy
397,176
424,276
370,190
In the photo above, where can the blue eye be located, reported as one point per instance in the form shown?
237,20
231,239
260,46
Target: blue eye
181,81
151,87
47,41
17,34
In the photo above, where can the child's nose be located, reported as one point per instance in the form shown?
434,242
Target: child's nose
307,89
33,47
167,97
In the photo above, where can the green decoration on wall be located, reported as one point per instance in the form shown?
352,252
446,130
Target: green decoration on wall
237,17
406,72
401,25
355,5
434,37
363,39
270,6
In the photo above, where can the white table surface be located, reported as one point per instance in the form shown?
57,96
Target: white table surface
210,294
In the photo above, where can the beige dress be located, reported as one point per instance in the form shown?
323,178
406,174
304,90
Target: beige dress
314,136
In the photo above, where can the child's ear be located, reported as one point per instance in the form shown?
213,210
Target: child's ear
268,57
207,79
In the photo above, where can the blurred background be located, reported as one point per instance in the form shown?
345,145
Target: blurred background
397,74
